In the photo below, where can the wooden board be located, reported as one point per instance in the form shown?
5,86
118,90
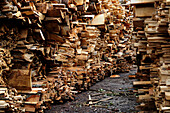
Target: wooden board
141,1
144,11
20,79
79,2
142,83
29,108
99,20
167,95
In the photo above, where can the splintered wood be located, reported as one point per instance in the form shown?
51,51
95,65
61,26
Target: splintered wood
152,43
50,50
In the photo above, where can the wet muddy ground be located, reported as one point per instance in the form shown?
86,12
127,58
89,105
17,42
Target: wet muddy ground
119,91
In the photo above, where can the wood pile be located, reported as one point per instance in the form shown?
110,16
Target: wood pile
153,59
146,68
51,50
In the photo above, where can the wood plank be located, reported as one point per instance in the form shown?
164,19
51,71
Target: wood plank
99,20
135,83
141,1
144,11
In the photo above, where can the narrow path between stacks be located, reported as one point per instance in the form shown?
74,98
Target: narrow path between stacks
119,89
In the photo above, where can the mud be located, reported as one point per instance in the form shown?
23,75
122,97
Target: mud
120,89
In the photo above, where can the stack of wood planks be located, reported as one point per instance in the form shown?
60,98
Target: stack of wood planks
153,59
51,50
144,87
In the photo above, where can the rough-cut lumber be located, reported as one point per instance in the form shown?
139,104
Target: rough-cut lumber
144,11
99,20
141,1
20,79
142,83
52,50
153,53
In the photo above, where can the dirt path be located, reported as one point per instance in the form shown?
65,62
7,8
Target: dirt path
120,89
